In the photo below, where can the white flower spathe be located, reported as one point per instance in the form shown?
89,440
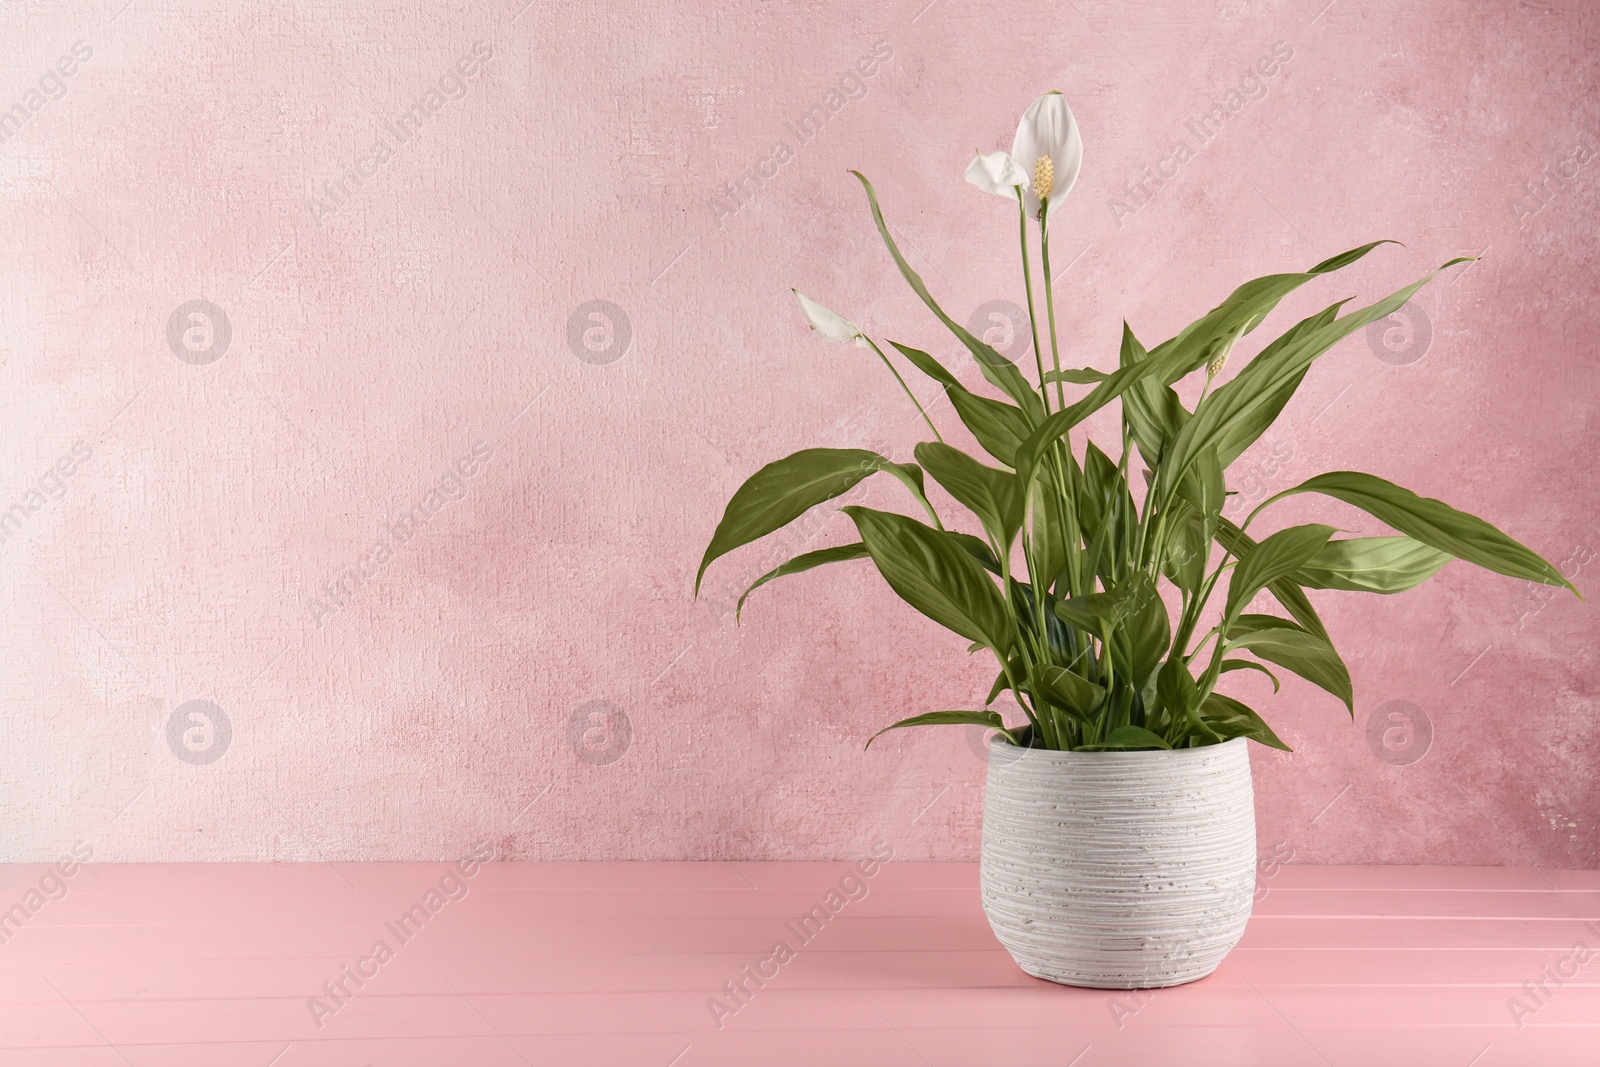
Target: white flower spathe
827,324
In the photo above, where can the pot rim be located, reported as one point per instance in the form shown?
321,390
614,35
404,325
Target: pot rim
1017,752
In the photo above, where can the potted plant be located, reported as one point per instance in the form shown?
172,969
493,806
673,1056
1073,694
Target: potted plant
1119,830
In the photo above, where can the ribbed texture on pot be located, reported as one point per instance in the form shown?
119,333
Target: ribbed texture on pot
1119,870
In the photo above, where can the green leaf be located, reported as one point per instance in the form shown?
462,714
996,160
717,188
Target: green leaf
1147,631
1071,691
1051,533
931,571
978,548
1128,737
1179,697
1435,524
1287,592
1077,376
1001,684
803,562
1275,557
945,718
1282,642
928,365
1242,433
1238,407
1249,665
1047,432
1187,549
1151,411
785,489
1372,564
1231,719
995,367
999,427
994,496
1243,311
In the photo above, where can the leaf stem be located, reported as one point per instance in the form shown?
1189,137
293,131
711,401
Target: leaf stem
904,386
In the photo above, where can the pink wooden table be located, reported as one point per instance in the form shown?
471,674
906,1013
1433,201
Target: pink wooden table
248,965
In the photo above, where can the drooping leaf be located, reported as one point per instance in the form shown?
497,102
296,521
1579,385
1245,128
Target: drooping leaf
931,571
1435,524
785,489
1230,718
1282,642
1372,564
990,719
1248,665
803,562
994,496
978,548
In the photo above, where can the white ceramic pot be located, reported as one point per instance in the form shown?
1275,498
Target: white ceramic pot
1119,870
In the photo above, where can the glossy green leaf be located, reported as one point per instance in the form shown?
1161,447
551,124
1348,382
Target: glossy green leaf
977,548
994,496
1435,524
1238,405
1244,432
803,562
1273,558
1242,312
1282,642
1231,719
1249,665
1286,590
1372,564
785,489
1071,691
1076,376
932,572
999,427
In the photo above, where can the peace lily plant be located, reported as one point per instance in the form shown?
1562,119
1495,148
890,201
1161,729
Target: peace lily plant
1096,579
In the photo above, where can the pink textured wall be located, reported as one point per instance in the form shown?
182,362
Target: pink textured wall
414,389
